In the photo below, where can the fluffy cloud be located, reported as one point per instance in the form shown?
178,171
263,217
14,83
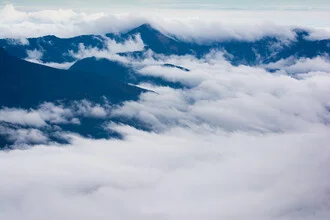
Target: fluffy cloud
234,98
65,65
18,41
88,109
237,143
62,22
34,54
22,117
175,175
50,113
111,48
21,136
193,25
304,65
47,112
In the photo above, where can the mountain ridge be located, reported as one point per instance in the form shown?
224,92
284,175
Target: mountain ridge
265,50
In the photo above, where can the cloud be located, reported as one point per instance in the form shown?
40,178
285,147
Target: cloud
190,24
111,48
88,109
49,113
234,98
130,45
23,136
238,143
19,116
18,41
34,54
62,22
175,175
292,65
203,32
65,65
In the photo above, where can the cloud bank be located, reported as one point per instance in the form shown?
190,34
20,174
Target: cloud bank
237,143
174,175
197,25
111,48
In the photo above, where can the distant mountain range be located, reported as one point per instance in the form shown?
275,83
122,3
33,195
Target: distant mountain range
27,85
265,50
24,84
121,72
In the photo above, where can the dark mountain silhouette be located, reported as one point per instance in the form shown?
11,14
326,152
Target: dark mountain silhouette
105,67
25,84
265,50
122,73
159,42
54,49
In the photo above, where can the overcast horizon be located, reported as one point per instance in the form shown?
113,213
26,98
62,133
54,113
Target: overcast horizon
188,4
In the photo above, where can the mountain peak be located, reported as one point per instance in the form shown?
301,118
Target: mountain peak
144,28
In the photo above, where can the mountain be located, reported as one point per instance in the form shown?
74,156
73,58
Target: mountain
271,49
265,50
159,42
25,84
122,73
53,49
105,67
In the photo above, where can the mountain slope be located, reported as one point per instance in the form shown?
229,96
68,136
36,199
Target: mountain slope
24,84
122,73
104,67
158,42
265,50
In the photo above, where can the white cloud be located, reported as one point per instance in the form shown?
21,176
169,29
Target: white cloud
234,98
65,65
22,117
196,25
292,65
206,32
18,41
131,45
34,54
239,143
319,34
23,136
20,126
111,48
49,113
175,175
62,22
89,109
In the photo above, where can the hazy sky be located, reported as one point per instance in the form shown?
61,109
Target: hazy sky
239,4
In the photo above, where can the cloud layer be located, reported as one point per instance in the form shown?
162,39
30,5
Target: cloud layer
236,143
174,175
187,24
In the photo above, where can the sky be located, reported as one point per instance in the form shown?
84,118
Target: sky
215,4
17,20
